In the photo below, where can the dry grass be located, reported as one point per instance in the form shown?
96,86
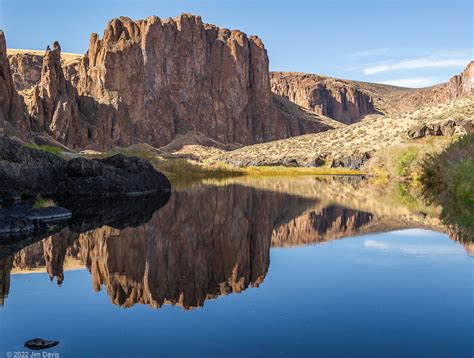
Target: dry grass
365,136
66,57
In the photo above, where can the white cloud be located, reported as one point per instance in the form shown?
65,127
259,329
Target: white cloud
413,249
412,82
419,63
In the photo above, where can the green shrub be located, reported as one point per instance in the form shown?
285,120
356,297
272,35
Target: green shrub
46,148
404,160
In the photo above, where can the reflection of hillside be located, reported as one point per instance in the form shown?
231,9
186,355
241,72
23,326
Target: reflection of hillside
327,224
206,241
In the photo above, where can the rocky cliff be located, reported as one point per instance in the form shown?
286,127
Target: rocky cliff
458,86
53,105
349,101
339,100
26,69
151,80
12,118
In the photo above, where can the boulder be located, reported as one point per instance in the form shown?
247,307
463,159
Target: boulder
32,172
353,161
448,127
116,175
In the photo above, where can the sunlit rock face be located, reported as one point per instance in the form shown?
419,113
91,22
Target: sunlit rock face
338,100
458,86
53,105
150,80
12,118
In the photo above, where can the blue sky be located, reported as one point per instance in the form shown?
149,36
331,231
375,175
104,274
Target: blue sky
411,43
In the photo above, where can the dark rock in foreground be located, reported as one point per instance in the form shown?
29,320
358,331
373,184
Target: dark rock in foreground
40,343
33,172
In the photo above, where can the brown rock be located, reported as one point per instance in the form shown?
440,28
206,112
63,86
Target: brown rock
326,96
458,86
151,80
447,127
53,105
26,69
12,118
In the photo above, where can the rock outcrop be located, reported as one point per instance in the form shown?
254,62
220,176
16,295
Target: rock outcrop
447,127
32,172
458,86
12,117
463,84
53,105
336,99
26,69
151,80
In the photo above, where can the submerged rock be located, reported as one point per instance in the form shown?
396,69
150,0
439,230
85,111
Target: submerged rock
40,343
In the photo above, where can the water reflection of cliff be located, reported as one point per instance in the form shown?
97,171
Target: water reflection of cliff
205,242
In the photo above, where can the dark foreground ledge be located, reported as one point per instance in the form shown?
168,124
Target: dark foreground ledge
32,172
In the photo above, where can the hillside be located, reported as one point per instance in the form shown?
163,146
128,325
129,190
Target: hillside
351,101
351,145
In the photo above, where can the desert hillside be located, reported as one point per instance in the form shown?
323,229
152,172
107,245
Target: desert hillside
350,101
353,145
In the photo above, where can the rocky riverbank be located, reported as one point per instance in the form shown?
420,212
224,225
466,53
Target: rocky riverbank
32,172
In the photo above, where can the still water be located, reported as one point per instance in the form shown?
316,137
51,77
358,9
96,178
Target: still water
259,268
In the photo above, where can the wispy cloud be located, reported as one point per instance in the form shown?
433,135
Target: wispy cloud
413,249
418,63
412,82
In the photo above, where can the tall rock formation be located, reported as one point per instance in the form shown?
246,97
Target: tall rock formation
12,118
149,80
53,104
336,99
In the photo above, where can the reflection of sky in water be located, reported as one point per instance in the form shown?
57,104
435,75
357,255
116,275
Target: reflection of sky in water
331,300
407,242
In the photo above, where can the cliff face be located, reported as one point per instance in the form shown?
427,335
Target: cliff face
153,79
12,118
53,104
338,100
458,86
26,69
463,84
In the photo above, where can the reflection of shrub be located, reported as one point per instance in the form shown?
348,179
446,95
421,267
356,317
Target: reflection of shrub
463,181
45,148
448,179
